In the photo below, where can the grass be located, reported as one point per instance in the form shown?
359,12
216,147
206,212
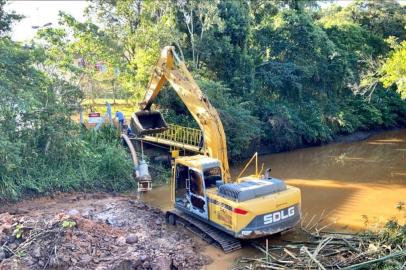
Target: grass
94,161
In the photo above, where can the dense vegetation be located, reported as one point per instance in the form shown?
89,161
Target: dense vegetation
41,148
283,74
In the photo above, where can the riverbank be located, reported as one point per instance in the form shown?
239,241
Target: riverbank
93,231
340,138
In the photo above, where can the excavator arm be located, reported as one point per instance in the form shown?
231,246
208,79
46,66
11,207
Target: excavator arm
171,69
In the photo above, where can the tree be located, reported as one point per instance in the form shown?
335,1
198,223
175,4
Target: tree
141,29
7,19
301,73
306,57
42,149
394,69
384,18
85,53
378,19
198,17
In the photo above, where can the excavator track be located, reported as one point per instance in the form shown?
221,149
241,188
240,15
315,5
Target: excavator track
208,233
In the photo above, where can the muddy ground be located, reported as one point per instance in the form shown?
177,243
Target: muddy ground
93,231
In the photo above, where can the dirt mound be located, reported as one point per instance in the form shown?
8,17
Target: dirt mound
108,233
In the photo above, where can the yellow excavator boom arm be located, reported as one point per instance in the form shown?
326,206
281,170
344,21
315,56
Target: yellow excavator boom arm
170,68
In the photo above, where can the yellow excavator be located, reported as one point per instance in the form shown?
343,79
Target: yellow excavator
205,197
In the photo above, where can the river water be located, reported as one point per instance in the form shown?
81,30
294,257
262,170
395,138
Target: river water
343,182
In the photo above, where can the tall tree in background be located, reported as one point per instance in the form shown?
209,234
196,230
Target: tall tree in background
142,29
7,18
87,55
394,69
42,149
384,18
198,17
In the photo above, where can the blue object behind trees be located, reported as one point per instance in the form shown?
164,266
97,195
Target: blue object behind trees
120,116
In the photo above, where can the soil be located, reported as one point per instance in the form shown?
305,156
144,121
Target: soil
93,231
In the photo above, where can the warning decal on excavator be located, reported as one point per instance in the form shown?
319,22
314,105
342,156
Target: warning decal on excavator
223,205
225,217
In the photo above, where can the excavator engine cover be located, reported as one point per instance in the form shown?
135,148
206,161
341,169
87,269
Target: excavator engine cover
148,122
252,189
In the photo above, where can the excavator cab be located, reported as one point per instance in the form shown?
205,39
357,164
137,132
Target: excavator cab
148,122
193,176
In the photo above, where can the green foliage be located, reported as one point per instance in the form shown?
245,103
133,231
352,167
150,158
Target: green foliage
301,85
161,173
42,149
141,29
77,48
394,69
68,224
241,127
281,123
18,231
393,232
297,73
383,18
388,236
289,126
299,58
281,74
90,162
7,19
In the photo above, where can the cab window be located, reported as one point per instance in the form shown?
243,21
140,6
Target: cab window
211,175
196,183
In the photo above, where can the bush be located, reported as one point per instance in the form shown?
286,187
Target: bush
96,162
41,149
290,125
281,124
241,127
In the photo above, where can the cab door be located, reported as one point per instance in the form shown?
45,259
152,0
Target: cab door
197,193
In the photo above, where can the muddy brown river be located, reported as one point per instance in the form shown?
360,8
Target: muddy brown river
344,181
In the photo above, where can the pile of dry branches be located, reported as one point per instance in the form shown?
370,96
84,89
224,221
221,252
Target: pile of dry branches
323,251
327,251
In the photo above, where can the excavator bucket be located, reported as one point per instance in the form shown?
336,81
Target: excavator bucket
148,122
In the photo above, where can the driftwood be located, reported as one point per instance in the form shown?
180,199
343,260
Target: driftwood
324,251
312,247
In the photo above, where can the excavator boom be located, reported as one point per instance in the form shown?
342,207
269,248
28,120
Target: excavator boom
171,69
